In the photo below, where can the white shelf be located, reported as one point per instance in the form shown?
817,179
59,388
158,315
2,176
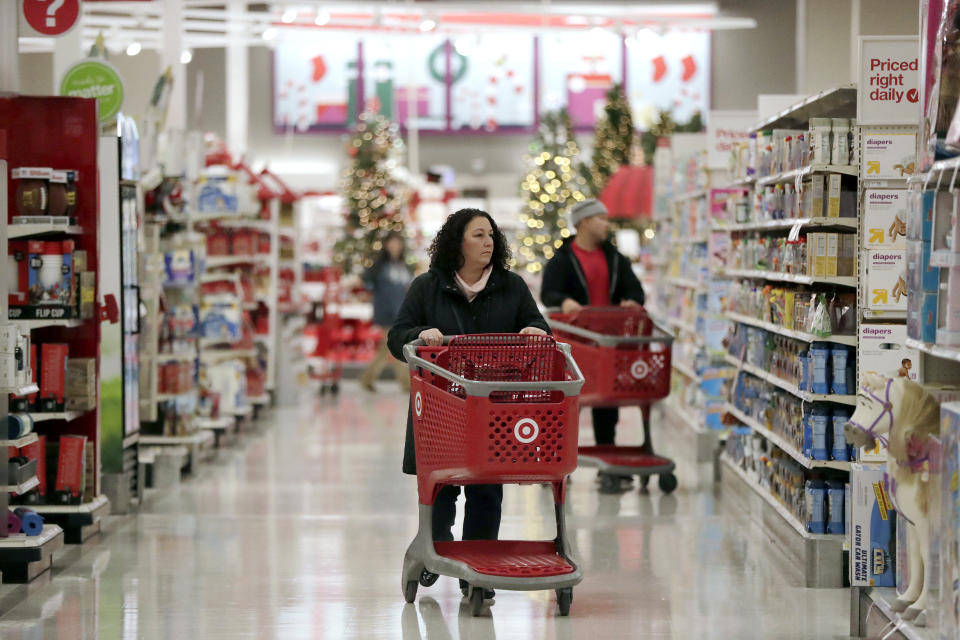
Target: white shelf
691,195
22,488
683,326
693,423
844,281
789,387
201,436
791,176
227,354
262,339
94,506
744,182
242,412
789,223
27,230
185,356
264,226
50,533
837,102
798,335
69,416
944,258
785,445
71,323
771,500
228,261
24,390
684,282
216,424
224,216
30,438
883,598
260,400
935,350
287,232
686,370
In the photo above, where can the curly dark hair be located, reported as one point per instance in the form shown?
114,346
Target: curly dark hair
445,251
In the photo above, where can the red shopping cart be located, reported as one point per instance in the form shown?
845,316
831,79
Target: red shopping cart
493,409
625,359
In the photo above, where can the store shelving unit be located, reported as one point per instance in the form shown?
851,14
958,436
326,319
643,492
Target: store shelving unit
789,333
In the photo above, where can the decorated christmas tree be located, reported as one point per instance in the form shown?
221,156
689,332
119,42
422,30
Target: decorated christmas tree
550,187
613,140
371,193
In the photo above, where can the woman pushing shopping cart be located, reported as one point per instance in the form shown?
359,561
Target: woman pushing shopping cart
469,290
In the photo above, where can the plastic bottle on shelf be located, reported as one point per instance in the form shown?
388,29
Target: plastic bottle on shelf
820,148
840,154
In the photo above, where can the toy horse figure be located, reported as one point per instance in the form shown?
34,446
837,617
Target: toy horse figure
901,415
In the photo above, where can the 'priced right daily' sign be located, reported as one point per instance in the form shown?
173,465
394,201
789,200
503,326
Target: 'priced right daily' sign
888,86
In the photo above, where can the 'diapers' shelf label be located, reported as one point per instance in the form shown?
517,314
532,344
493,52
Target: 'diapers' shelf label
888,156
95,79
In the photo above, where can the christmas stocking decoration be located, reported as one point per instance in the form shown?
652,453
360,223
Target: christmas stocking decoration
659,68
689,68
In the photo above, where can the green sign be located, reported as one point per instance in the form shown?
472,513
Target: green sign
95,79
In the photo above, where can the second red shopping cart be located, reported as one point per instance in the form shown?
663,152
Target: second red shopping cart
625,359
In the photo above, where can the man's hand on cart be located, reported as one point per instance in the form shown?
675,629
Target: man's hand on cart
533,331
432,337
629,303
570,305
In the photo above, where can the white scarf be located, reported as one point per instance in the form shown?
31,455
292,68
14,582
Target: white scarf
472,291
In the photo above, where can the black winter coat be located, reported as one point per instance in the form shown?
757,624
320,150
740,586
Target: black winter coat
563,278
435,302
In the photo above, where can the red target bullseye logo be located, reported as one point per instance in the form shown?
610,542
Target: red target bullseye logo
526,430
418,404
639,369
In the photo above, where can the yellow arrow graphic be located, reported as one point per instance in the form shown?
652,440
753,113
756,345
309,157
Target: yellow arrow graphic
879,296
876,235
873,166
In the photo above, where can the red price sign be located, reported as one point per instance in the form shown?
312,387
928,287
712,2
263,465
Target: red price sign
51,17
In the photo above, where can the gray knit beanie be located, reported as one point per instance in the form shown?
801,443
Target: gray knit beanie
583,210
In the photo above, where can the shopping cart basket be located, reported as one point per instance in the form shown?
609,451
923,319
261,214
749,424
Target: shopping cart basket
493,409
625,359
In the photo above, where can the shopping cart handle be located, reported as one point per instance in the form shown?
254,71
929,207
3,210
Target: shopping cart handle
484,388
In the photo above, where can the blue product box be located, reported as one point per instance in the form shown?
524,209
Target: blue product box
714,379
816,496
929,276
842,378
839,449
807,436
715,414
872,528
820,420
926,317
820,368
836,523
920,218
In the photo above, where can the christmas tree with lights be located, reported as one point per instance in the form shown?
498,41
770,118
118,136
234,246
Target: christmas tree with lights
371,193
550,187
613,141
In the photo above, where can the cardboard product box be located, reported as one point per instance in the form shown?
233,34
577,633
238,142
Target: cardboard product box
886,284
922,316
81,381
948,527
38,451
847,256
71,463
815,188
920,215
88,290
883,350
884,218
817,250
53,371
872,529
921,274
833,253
217,193
834,190
18,282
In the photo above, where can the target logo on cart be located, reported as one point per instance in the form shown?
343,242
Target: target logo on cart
418,404
526,430
639,369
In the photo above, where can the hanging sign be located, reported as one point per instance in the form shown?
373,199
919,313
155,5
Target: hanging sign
49,17
724,129
95,79
889,80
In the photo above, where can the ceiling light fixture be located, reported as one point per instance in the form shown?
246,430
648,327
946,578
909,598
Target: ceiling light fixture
186,56
322,18
269,33
134,48
288,16
428,25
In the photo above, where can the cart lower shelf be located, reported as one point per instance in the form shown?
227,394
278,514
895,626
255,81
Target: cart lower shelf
507,558
623,458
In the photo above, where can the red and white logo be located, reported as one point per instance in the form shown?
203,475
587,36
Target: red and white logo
418,404
526,430
639,369
51,17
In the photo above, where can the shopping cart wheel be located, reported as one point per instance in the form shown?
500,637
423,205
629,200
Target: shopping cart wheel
428,579
668,482
609,483
644,484
564,600
476,601
410,591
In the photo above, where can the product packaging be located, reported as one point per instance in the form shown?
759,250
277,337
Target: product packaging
948,528
884,218
921,274
839,450
70,469
18,280
886,284
872,529
820,426
81,384
835,508
53,370
37,451
217,193
33,190
922,316
882,351
834,190
820,367
816,494
948,322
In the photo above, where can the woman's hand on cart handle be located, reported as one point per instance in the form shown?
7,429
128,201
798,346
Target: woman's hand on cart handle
570,305
533,331
629,303
431,337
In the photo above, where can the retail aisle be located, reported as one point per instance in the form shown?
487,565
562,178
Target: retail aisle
299,532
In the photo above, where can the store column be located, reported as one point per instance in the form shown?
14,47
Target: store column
170,57
9,45
238,85
67,51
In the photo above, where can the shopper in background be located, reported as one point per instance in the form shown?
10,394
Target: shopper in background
588,270
388,280
468,289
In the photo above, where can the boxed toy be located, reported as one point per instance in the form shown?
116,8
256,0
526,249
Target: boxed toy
33,190
884,218
872,528
886,284
53,370
217,193
71,470
882,351
18,282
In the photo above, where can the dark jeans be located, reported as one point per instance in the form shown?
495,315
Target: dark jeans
481,515
605,424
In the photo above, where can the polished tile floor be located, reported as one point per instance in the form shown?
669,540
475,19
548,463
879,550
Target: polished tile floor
298,531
